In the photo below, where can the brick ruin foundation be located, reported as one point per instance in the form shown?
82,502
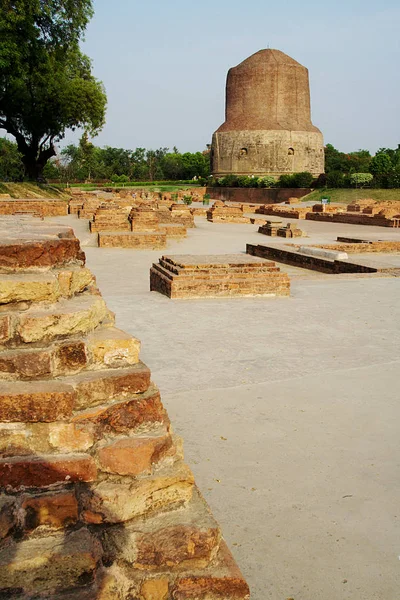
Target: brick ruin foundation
95,500
188,276
134,223
222,213
368,212
40,208
277,229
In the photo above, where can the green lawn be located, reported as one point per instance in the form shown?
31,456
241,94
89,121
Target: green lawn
347,196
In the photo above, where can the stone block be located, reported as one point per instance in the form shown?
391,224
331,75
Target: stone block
69,358
140,413
112,347
77,315
25,364
44,401
50,510
188,537
95,387
69,437
42,471
28,288
5,328
134,455
7,515
44,565
117,502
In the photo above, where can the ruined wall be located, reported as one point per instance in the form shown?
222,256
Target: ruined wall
95,499
267,128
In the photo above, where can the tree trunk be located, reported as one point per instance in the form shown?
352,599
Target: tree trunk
35,160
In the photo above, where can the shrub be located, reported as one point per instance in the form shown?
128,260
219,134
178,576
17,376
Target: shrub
335,179
120,179
360,179
286,181
266,182
303,179
187,200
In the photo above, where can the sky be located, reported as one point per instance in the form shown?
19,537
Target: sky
164,66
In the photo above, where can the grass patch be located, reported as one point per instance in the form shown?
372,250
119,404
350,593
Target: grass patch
348,196
32,191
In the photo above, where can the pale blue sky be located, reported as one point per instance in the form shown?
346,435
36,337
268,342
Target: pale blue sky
164,66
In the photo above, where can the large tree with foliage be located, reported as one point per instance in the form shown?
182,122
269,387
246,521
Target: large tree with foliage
46,84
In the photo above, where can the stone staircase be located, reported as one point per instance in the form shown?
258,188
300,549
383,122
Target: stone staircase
96,501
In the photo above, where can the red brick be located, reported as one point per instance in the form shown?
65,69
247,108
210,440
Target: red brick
45,470
46,253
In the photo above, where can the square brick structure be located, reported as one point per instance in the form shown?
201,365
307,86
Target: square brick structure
187,276
96,501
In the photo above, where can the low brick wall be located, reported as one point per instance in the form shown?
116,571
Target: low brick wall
42,207
351,218
141,240
315,263
256,195
363,247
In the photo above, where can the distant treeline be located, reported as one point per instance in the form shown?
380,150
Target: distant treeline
87,162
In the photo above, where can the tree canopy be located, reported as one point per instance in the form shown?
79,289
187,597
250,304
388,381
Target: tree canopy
46,84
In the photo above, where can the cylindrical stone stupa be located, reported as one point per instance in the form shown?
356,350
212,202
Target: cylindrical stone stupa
268,128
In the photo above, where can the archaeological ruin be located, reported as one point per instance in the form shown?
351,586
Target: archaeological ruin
226,275
96,501
267,128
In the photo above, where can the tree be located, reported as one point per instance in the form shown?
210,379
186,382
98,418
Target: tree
46,85
11,167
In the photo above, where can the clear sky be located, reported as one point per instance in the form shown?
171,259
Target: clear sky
164,65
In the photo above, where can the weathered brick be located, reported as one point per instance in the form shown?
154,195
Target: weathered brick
222,580
5,328
20,439
155,589
44,253
44,401
144,411
50,510
68,437
74,281
70,357
23,287
133,456
109,502
76,315
187,537
7,515
113,348
48,564
25,364
42,471
94,387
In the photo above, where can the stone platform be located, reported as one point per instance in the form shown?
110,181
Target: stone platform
190,276
96,501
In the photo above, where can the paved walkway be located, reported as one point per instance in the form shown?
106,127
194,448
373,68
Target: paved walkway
289,409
